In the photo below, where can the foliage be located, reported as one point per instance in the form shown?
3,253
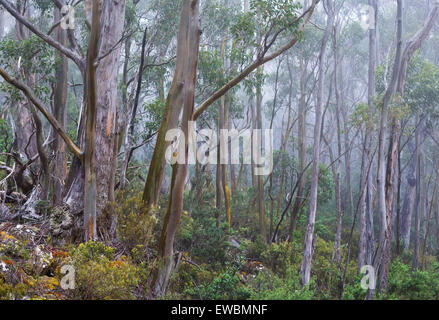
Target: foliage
268,286
205,239
155,113
278,257
226,286
413,285
100,275
135,224
20,57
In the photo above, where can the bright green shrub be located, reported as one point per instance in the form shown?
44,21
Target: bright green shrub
226,286
99,275
413,285
268,286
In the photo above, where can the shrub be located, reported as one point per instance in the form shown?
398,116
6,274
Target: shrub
268,286
226,286
278,257
209,240
135,225
413,285
98,275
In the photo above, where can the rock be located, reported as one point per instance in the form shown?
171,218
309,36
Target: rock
61,225
4,212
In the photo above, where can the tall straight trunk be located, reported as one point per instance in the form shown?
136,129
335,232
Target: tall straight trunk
273,112
301,144
252,107
60,113
90,190
428,218
170,119
337,166
185,81
25,137
224,180
233,178
219,167
398,200
309,235
420,193
382,260
220,188
259,178
113,21
129,136
409,199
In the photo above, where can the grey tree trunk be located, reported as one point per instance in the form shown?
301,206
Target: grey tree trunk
309,235
60,113
409,199
301,144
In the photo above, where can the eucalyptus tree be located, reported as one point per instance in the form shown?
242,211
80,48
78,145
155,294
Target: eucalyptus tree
309,236
93,186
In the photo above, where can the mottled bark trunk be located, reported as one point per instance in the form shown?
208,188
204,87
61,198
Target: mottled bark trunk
309,235
171,115
382,260
90,189
60,113
185,78
25,135
409,199
113,21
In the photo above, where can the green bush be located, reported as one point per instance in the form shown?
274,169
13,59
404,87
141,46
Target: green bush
209,240
413,285
100,276
135,225
226,286
278,257
268,286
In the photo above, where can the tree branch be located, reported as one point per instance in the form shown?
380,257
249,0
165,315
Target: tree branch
39,105
63,49
257,63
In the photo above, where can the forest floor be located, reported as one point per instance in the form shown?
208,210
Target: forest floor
28,264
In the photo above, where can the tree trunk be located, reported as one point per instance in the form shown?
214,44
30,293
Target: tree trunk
420,193
309,235
60,113
90,190
409,199
113,21
184,80
301,142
